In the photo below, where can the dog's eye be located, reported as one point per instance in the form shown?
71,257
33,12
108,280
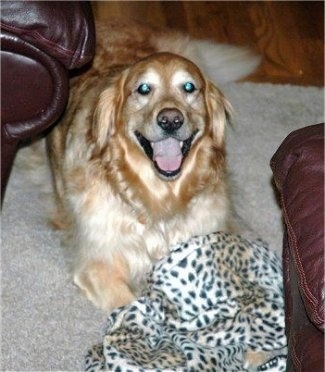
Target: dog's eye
144,89
189,87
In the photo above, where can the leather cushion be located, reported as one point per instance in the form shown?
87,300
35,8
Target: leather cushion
63,29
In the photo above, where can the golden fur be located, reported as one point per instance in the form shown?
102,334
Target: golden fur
122,211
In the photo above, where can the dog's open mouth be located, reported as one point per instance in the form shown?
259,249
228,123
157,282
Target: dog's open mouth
167,154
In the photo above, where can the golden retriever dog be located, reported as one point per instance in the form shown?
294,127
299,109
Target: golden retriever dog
138,160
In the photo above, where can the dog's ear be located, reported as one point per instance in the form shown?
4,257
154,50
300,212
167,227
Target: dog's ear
106,115
219,111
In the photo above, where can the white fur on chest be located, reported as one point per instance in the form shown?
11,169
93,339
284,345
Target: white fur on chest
106,226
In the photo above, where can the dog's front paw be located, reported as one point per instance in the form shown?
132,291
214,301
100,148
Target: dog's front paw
105,286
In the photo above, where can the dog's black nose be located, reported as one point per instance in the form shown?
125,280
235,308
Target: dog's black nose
170,119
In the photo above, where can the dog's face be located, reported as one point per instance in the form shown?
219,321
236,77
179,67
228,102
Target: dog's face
163,106
165,111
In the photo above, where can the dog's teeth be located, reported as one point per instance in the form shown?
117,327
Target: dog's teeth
181,144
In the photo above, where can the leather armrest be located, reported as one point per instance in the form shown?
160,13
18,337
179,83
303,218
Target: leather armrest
34,89
298,168
40,42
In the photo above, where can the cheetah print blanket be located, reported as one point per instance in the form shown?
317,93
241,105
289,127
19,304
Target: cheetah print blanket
214,304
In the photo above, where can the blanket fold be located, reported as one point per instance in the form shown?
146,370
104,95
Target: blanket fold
214,304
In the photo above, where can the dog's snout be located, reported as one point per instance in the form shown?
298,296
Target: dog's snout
170,119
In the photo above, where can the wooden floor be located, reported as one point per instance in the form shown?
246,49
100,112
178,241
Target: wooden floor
288,34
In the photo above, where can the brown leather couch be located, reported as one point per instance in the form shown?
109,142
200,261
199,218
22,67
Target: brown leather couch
41,43
298,169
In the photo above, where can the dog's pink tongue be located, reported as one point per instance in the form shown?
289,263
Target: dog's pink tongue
167,154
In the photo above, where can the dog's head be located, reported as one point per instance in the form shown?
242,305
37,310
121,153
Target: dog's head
163,106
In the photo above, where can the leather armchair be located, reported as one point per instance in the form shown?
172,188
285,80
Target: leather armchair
298,169
42,42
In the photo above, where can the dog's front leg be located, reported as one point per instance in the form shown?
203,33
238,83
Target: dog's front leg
110,262
105,284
